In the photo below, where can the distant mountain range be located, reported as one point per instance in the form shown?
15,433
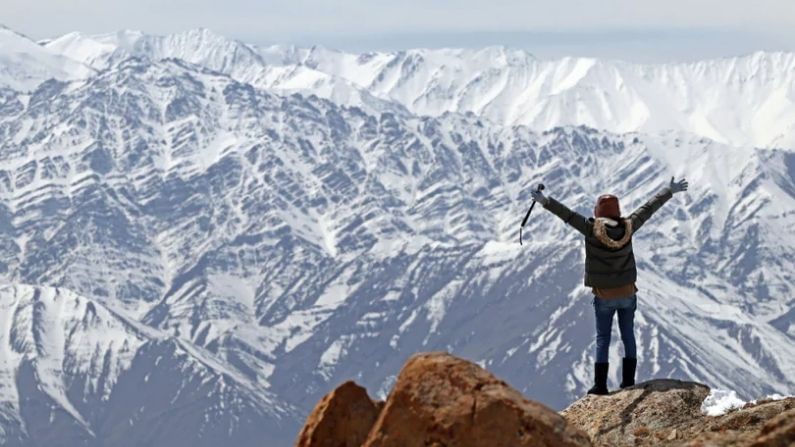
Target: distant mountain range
741,101
200,237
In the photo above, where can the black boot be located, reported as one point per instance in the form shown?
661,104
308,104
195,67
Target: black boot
599,378
628,372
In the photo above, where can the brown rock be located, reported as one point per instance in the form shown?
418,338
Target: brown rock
671,409
758,425
622,418
440,400
341,419
778,432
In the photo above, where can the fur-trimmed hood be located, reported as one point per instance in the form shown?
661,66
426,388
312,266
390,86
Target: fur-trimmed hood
600,232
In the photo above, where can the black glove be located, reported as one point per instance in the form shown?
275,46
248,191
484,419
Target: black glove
679,186
539,197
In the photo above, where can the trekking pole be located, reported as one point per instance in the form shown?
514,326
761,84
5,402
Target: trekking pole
527,216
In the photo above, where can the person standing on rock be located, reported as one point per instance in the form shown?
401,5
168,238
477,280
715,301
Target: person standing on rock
610,271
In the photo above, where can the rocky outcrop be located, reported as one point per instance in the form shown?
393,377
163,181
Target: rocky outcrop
668,413
343,418
439,400
442,401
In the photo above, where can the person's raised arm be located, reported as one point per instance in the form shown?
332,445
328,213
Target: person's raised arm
576,220
642,214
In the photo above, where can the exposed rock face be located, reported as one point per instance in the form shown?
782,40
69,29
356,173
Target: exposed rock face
442,401
668,413
658,406
438,400
343,418
445,401
779,431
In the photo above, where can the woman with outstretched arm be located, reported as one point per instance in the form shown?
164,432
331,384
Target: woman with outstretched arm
610,271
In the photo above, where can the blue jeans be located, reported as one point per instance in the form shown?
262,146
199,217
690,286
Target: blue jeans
604,310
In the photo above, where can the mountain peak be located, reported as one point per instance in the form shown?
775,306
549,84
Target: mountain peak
205,33
24,64
9,33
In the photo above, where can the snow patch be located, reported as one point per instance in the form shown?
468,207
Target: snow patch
720,402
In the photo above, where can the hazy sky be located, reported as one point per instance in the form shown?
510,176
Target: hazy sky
638,30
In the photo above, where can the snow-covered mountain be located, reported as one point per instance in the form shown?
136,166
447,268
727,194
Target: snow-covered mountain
25,64
268,245
738,101
76,373
277,68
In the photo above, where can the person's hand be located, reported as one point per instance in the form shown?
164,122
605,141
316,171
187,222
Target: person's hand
679,186
539,196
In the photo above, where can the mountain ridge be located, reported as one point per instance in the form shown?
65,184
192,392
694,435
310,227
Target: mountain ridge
510,86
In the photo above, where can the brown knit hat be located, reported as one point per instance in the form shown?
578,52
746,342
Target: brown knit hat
607,206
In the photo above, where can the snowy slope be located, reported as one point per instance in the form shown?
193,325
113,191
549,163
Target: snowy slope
287,242
25,64
76,372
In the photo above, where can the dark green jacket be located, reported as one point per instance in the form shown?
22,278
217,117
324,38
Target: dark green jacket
604,266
